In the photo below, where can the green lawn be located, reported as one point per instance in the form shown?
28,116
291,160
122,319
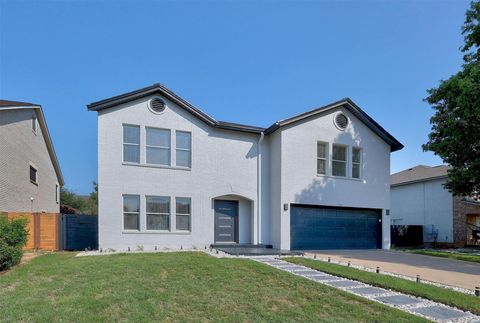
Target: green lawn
173,287
465,256
442,295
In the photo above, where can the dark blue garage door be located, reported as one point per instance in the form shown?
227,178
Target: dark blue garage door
334,228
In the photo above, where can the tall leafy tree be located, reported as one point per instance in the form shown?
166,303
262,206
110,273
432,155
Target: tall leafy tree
455,135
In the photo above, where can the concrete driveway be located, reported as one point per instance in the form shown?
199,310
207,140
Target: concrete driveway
442,270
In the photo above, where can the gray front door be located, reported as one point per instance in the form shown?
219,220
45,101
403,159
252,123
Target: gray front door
226,221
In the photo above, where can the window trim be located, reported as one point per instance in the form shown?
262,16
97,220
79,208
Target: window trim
154,213
183,214
341,161
34,123
57,193
323,158
32,166
357,163
183,149
138,213
132,144
159,147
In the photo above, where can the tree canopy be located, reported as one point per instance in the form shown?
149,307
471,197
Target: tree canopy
455,135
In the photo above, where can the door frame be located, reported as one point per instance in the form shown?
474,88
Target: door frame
236,221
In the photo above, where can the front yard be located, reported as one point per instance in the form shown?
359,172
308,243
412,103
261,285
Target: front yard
174,287
471,255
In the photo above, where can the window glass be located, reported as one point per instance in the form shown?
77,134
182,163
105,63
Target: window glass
158,146
183,213
339,160
131,144
131,212
33,174
158,213
158,137
183,155
356,162
321,158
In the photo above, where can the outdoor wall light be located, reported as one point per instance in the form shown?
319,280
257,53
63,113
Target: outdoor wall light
285,206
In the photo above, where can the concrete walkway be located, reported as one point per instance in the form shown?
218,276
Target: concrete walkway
414,305
446,271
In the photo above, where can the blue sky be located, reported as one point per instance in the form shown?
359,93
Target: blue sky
251,62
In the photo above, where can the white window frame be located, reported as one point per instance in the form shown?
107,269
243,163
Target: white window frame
323,158
169,215
183,149
159,147
57,193
137,213
183,214
341,161
132,144
357,163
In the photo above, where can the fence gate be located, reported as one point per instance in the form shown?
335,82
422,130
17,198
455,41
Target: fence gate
79,232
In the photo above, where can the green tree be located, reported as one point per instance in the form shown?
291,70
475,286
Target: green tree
81,204
455,135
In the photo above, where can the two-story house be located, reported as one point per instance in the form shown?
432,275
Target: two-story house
171,176
30,176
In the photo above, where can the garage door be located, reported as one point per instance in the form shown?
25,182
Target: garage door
334,228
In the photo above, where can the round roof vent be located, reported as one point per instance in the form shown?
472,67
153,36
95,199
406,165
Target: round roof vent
157,105
341,121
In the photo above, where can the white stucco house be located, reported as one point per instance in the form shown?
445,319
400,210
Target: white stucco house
419,198
171,176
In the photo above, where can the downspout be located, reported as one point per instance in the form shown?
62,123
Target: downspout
259,188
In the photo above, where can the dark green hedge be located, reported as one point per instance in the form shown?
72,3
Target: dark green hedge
13,236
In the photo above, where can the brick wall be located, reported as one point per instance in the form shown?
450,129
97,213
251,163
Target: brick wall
43,230
460,211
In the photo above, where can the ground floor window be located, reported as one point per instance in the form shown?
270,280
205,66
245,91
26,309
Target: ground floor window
183,213
131,212
158,212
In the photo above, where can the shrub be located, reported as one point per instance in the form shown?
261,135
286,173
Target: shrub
13,236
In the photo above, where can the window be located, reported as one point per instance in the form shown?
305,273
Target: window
34,122
158,146
356,162
57,193
339,160
322,158
131,144
33,175
158,213
183,213
131,212
184,149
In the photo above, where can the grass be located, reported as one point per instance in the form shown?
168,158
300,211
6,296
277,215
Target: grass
465,256
446,296
174,287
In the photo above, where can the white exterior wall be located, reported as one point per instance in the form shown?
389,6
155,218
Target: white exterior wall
223,163
425,203
301,184
20,146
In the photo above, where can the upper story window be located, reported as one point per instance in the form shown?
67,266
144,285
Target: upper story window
131,144
131,212
158,146
57,193
33,175
322,149
183,149
34,122
339,160
356,162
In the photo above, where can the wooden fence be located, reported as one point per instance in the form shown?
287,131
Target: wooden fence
44,231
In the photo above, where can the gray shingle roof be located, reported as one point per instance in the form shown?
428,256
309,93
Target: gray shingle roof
418,173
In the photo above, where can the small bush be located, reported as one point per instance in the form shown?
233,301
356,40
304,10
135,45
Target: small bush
13,236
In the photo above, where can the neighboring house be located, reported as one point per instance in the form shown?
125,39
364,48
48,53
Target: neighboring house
418,197
30,176
170,176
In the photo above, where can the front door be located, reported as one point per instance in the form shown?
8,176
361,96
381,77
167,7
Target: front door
226,221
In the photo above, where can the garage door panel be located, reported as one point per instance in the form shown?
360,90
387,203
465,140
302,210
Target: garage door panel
333,228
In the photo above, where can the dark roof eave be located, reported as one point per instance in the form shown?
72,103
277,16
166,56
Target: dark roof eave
419,181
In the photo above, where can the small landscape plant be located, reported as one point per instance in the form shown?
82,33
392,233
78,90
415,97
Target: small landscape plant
13,236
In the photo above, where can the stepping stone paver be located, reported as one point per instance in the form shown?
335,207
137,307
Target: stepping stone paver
343,283
440,312
369,290
431,310
398,300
